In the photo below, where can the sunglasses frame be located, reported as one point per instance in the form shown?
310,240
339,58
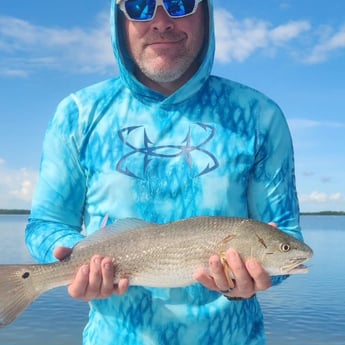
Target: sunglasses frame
122,7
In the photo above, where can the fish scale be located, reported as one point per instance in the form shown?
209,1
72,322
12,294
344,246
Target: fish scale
163,256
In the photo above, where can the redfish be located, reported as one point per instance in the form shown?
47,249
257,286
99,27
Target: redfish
163,256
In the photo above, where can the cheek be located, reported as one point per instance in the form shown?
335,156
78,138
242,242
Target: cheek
200,38
133,35
197,37
197,30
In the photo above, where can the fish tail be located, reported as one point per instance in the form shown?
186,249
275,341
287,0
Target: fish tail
17,290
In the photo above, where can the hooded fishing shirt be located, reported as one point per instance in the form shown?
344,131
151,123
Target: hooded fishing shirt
119,149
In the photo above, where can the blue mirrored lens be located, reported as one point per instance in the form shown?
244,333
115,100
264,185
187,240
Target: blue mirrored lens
179,8
145,9
140,9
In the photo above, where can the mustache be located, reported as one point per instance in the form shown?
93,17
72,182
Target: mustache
167,36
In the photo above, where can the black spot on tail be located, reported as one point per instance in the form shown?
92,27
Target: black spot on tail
26,275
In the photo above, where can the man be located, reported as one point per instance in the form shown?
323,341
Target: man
162,142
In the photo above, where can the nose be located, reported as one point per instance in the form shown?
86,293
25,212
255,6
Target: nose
161,21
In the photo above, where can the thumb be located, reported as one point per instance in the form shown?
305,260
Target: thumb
62,252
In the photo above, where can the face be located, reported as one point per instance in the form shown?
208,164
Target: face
165,49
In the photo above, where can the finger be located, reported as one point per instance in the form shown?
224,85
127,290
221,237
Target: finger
78,287
107,287
262,280
202,276
122,287
95,278
62,252
217,272
244,282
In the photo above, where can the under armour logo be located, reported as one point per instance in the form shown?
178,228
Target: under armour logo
148,151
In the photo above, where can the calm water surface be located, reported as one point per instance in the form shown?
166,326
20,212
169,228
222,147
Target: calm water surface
304,310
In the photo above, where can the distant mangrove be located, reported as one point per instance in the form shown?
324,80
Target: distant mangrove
324,213
14,212
320,213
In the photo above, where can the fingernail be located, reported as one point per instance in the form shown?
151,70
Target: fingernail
107,266
252,264
85,270
97,260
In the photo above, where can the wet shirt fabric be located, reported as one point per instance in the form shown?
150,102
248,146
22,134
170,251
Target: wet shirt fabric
119,149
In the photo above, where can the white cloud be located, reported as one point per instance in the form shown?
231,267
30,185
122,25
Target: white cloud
16,186
88,50
78,50
287,32
321,198
302,124
238,39
18,73
330,42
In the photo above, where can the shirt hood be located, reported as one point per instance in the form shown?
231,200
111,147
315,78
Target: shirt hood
126,65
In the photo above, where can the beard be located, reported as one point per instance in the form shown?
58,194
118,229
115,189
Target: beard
166,65
161,74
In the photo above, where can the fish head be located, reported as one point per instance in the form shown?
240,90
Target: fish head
278,252
285,254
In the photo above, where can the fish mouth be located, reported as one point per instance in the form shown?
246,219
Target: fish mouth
300,269
296,266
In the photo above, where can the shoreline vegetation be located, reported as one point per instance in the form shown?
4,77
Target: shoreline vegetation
320,213
324,213
14,212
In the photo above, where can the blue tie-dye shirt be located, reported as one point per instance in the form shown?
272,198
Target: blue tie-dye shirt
117,148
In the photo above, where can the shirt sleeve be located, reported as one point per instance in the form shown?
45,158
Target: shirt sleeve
57,208
272,195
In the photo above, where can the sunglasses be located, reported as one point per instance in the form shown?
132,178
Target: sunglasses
145,10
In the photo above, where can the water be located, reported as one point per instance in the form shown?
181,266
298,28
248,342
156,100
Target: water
304,310
310,309
54,318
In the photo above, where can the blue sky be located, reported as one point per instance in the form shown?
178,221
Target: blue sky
292,50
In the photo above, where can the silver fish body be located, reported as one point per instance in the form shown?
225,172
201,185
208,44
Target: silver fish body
154,255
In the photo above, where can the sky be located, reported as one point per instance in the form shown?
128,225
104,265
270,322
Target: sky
291,50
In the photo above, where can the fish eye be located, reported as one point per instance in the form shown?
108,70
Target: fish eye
285,247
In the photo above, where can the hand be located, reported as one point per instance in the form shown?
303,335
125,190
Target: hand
95,280
249,276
